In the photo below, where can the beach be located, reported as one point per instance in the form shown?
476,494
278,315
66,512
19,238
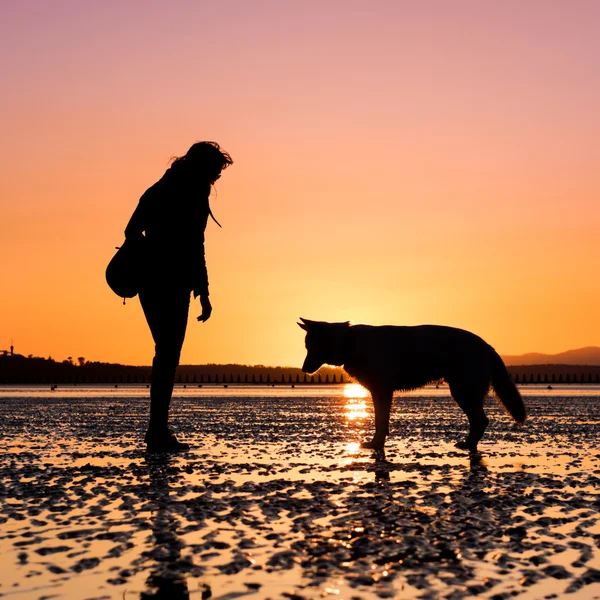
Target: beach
277,500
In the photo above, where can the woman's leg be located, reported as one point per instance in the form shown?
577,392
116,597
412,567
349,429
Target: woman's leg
166,310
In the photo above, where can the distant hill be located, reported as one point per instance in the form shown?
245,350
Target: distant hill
581,356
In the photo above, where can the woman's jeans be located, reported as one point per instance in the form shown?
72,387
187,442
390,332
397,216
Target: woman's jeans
166,309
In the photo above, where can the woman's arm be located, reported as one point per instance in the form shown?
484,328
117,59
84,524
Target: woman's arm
139,219
201,289
138,222
201,279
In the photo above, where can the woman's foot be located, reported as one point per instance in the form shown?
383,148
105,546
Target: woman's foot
372,445
163,440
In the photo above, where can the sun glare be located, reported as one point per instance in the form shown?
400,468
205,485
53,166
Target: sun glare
355,409
355,390
352,447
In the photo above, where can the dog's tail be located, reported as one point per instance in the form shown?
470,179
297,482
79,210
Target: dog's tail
506,390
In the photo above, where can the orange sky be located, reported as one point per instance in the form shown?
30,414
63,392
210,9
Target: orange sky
398,163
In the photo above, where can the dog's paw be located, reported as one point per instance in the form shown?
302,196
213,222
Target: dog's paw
372,445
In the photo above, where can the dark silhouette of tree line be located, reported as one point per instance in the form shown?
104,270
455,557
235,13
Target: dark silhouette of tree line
582,378
19,369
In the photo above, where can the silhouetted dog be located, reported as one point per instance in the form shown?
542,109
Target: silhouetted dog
389,358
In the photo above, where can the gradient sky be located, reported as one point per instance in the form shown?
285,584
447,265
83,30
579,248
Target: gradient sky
395,163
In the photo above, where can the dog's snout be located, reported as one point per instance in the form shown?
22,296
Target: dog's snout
310,366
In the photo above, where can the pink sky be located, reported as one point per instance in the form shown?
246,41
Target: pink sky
402,163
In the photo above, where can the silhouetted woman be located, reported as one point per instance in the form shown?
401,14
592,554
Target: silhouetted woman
173,214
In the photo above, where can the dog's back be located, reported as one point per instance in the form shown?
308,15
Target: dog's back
403,358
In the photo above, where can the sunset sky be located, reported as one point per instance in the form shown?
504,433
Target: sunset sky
395,163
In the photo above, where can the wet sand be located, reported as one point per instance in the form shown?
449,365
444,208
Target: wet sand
277,501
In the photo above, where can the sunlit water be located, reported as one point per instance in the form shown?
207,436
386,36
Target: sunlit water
350,390
277,497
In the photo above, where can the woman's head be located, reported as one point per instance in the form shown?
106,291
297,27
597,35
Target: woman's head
205,160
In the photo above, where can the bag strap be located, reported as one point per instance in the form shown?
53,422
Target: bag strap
213,216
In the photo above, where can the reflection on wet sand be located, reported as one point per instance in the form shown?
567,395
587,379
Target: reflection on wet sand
277,499
167,578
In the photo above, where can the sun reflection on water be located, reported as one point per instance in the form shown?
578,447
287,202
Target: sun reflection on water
355,409
355,390
352,447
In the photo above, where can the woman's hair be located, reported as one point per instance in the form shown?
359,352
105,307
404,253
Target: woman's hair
207,157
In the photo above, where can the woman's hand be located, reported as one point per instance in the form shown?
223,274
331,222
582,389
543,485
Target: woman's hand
206,309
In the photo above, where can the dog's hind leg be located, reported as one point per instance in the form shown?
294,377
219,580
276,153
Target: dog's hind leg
478,423
382,403
471,402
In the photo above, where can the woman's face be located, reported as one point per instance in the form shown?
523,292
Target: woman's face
213,173
207,171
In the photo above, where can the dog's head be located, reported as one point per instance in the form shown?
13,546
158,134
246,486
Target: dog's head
324,344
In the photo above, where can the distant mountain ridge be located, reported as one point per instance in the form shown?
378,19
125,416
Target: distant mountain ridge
582,356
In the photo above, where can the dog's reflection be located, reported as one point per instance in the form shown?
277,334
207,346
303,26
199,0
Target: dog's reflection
381,467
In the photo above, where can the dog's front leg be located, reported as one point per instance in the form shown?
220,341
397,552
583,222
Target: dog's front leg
382,403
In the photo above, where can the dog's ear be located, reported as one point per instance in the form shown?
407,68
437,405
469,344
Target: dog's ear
303,326
307,323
